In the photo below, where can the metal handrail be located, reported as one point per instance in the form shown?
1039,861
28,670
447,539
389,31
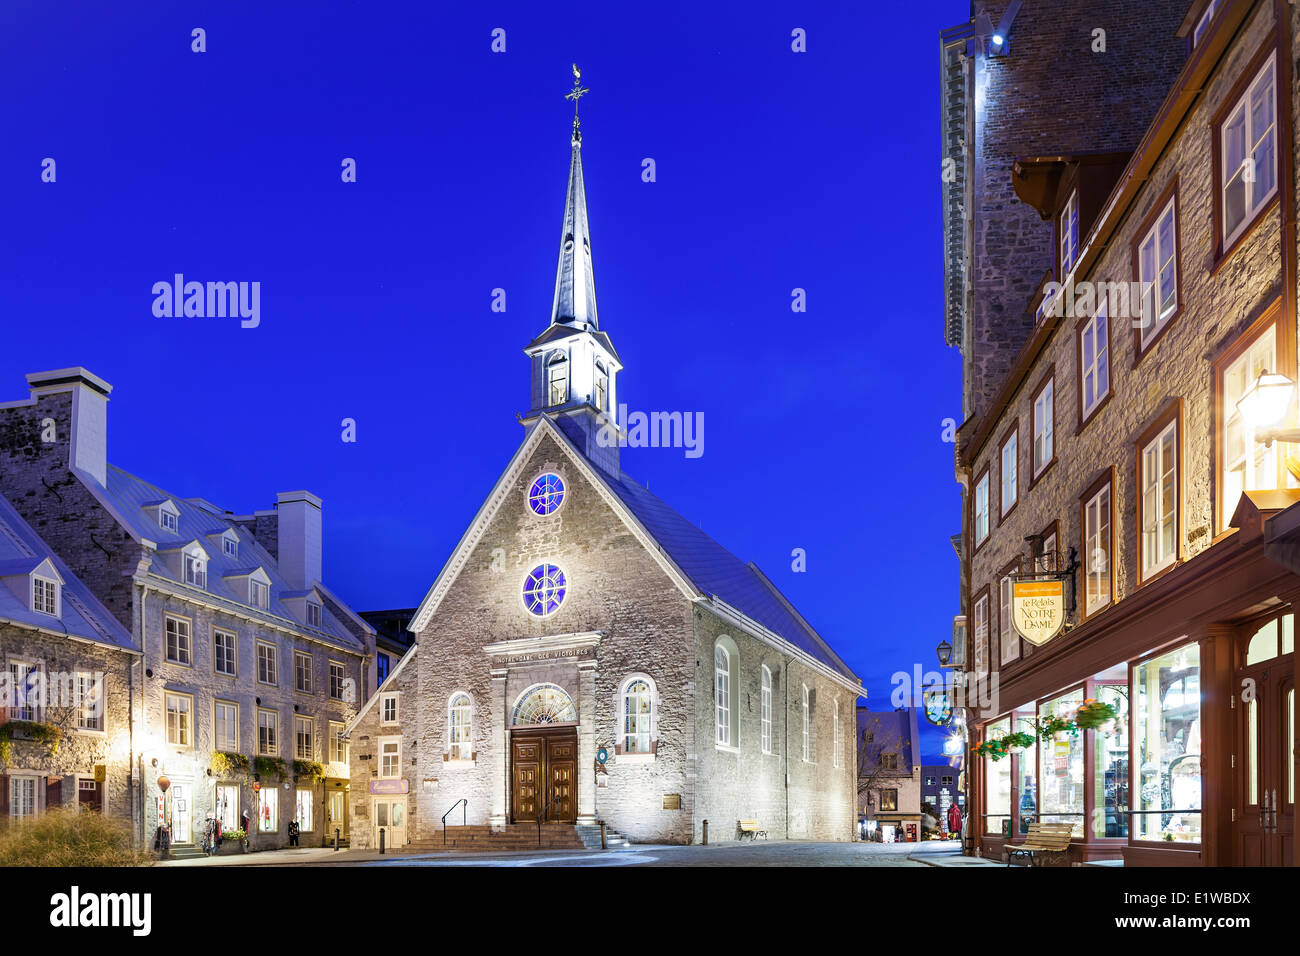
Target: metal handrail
464,805
545,810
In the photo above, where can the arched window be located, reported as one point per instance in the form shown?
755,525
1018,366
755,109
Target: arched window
805,722
557,379
602,387
765,708
722,693
459,727
543,704
637,714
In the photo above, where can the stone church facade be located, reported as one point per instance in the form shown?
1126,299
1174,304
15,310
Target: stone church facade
588,655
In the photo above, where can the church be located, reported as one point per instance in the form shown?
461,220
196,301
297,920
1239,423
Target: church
587,655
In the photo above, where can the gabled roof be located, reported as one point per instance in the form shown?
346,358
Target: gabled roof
125,497
83,615
702,568
557,333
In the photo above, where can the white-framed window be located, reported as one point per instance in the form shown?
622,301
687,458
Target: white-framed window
268,733
225,652
1069,229
1094,362
835,734
460,727
557,379
1158,271
229,544
765,711
1044,426
805,747
1007,639
179,643
268,810
1009,477
1203,23
225,725
302,671
1097,548
26,687
982,509
196,569
45,596
167,519
602,387
981,616
26,797
388,709
390,757
637,711
304,747
313,614
1248,465
180,719
338,744
1159,483
266,661
722,695
1248,151
259,595
228,806
304,815
336,680
90,702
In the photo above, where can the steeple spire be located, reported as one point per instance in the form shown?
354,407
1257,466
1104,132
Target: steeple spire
575,286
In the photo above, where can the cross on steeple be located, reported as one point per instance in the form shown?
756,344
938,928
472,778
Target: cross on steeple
575,94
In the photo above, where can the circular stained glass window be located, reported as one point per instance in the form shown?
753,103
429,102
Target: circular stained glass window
546,494
544,590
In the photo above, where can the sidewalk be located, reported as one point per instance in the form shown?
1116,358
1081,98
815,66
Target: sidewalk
310,855
950,856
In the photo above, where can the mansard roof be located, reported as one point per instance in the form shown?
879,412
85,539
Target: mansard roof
126,497
22,551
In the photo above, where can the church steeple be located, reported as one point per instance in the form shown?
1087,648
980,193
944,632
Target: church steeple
574,365
575,286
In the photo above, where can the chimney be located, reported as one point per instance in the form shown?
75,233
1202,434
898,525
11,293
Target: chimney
298,538
88,430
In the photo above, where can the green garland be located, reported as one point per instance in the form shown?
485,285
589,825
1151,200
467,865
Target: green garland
43,733
268,767
226,763
309,769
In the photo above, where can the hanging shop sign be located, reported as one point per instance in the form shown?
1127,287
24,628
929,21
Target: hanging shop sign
938,706
1038,609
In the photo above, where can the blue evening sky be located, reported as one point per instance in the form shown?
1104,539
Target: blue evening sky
776,170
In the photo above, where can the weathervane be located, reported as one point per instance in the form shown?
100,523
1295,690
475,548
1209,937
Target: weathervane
575,94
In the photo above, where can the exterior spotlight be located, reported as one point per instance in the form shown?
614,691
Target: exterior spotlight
997,39
1265,405
944,650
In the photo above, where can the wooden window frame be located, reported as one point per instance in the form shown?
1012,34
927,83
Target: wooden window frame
216,722
189,641
1008,571
298,721
330,668
985,475
1284,340
234,635
298,657
1007,436
1282,134
1071,201
1172,413
1149,224
1107,477
384,698
167,723
976,598
1084,417
380,744
274,659
275,727
1053,530
1049,379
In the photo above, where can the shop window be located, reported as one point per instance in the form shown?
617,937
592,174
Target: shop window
1062,784
268,810
1167,760
228,806
1027,777
1111,766
303,811
997,784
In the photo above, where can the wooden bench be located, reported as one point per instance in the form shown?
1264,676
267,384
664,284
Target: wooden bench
1042,838
752,828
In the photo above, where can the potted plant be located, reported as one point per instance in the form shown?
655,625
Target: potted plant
1093,714
1018,741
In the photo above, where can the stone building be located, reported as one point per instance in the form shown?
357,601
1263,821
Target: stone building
1130,531
889,775
66,694
587,654
248,666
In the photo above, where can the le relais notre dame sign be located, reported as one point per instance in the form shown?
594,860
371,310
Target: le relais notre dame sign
1038,609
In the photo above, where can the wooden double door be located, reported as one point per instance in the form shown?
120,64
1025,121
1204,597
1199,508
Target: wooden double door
544,775
1264,829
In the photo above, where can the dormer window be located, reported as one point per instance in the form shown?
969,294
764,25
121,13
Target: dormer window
196,568
313,614
230,545
557,379
45,596
1203,24
168,520
259,594
1069,233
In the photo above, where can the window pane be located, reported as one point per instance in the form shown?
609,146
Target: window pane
997,776
1062,793
1167,701
1111,767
